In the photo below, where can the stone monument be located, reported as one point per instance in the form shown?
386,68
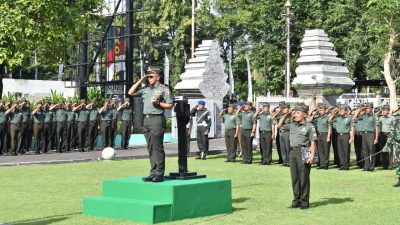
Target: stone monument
321,75
205,79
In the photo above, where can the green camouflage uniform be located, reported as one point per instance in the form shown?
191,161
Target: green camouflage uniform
393,143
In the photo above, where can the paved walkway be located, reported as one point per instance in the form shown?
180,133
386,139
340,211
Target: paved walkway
217,146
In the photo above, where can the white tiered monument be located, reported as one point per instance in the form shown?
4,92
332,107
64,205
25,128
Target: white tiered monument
321,75
205,79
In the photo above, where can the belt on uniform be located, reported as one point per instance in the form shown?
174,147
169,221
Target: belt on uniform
106,121
386,133
367,132
38,124
16,124
295,148
359,133
322,132
264,131
340,134
283,131
230,129
246,129
152,115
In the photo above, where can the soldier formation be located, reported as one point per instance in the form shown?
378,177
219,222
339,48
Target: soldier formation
63,127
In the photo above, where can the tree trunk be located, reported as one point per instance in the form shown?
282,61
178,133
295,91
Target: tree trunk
387,70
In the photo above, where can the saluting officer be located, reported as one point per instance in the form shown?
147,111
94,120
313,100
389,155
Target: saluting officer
302,135
3,127
61,119
93,129
203,122
48,125
16,119
70,131
385,121
26,119
267,133
276,116
370,136
232,126
323,142
83,123
126,118
156,98
358,130
248,129
38,127
284,133
106,115
343,124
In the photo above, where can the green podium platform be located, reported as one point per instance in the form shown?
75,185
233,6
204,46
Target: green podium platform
132,199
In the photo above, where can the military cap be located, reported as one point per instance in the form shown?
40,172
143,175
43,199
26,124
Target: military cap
39,102
376,109
369,105
323,106
265,105
231,106
201,102
386,107
234,95
281,103
248,103
93,100
153,70
83,101
301,108
239,103
284,105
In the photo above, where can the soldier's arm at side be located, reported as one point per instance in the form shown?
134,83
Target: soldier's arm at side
273,131
312,148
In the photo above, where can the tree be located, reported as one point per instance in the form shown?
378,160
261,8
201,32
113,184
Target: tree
385,25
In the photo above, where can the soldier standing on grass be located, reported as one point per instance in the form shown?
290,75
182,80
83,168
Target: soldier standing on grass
156,98
203,122
93,129
3,127
232,126
248,130
61,119
385,120
25,132
106,115
38,127
83,123
69,133
358,130
126,118
267,133
370,136
16,118
321,119
284,133
393,146
302,135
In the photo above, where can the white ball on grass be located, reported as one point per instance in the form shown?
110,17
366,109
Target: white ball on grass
108,153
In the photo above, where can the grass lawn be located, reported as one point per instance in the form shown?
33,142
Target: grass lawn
52,194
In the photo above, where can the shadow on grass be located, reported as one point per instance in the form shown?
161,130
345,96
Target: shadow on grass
44,220
239,200
330,201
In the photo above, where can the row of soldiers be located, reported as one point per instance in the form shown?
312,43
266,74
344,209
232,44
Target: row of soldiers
62,127
337,126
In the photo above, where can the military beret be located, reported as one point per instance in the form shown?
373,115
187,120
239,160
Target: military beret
153,70
265,105
323,106
386,107
376,109
301,108
239,103
284,105
369,105
201,102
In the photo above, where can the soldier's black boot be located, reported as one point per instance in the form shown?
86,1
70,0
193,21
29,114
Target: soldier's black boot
398,184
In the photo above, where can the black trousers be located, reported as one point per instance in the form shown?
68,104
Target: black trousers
2,138
368,149
126,133
335,148
53,137
82,130
231,144
106,133
278,147
154,128
202,140
384,156
24,135
300,174
61,130
358,149
48,134
285,146
38,133
92,134
323,150
247,142
266,146
344,150
69,142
